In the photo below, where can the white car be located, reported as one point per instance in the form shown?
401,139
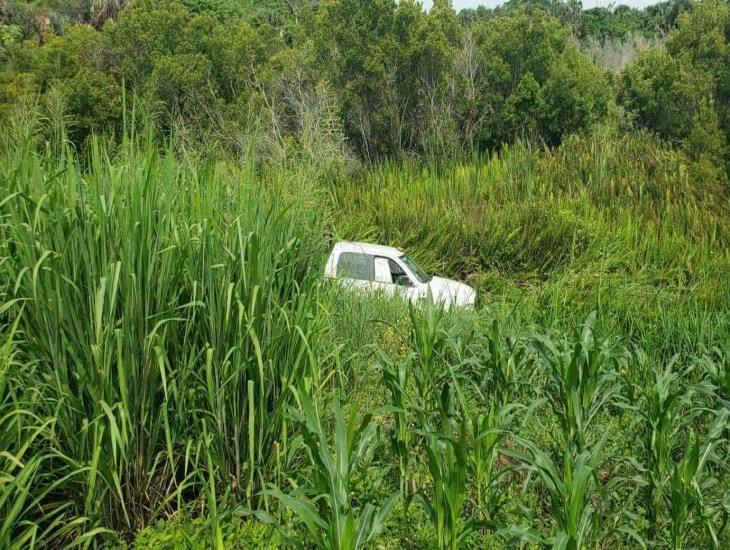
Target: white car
372,268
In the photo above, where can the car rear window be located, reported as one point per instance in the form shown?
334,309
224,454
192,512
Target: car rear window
353,265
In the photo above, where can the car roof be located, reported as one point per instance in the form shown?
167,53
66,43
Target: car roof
367,248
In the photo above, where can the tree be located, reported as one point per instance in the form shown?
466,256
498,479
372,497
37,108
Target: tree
534,81
683,93
574,96
703,36
390,63
671,97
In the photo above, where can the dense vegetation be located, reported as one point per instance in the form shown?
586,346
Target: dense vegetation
374,79
173,371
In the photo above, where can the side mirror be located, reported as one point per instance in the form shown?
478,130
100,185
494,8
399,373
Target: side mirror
382,271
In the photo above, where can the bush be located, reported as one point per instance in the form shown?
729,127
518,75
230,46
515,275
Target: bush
195,533
575,96
534,80
683,93
676,100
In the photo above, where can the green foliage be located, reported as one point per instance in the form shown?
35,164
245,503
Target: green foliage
405,81
667,408
324,504
10,34
388,59
396,378
23,456
667,96
574,96
704,37
690,484
501,430
556,233
221,9
73,66
171,367
187,66
682,93
537,83
582,382
616,22
447,459
183,532
622,21
140,301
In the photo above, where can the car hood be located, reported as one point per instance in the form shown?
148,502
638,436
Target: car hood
451,292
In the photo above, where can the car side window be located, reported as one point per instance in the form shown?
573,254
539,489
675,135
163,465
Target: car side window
399,276
353,265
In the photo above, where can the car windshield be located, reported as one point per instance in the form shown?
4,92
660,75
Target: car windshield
418,273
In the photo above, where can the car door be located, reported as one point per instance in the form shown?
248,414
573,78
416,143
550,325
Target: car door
402,281
355,270
369,273
382,276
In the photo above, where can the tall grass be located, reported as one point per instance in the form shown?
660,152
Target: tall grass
25,454
617,224
166,350
166,309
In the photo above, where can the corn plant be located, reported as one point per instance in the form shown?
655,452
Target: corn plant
488,416
487,380
663,405
324,504
498,366
490,427
429,343
691,484
447,455
396,378
575,495
416,382
488,431
678,493
439,408
716,369
582,380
